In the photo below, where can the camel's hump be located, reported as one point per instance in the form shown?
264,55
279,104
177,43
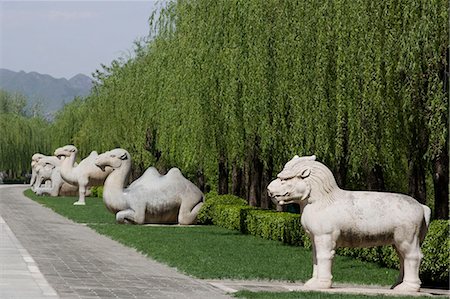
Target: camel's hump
149,176
93,154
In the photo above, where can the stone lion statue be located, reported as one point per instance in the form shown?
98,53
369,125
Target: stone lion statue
339,218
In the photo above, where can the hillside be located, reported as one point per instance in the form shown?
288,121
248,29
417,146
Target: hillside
51,93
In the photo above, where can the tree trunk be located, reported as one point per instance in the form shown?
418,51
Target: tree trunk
417,185
375,180
237,181
341,173
266,201
440,164
418,145
441,185
254,198
223,175
201,181
342,168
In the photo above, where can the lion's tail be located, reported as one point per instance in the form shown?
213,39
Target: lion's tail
425,222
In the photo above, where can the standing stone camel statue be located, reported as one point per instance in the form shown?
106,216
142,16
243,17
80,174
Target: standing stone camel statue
84,174
34,160
338,218
153,198
49,168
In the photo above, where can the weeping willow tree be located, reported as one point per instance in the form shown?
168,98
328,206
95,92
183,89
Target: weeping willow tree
20,136
228,91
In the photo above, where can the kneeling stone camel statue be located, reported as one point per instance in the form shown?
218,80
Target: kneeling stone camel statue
152,198
338,218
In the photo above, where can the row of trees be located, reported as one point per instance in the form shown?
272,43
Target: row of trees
20,136
228,91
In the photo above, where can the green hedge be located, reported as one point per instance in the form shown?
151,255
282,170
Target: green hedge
436,251
273,225
97,191
233,213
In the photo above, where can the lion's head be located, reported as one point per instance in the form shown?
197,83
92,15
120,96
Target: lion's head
302,178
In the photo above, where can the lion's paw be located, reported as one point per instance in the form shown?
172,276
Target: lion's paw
315,283
407,287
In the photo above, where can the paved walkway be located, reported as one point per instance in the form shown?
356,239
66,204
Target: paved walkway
44,255
79,263
19,275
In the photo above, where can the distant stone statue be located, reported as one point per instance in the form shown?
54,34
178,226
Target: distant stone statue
338,218
152,198
83,175
2,176
49,169
34,160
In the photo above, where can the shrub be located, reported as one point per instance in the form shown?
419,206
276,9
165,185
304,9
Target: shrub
233,213
97,191
212,203
231,216
279,226
434,269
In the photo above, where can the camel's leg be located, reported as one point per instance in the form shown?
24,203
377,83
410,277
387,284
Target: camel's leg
402,269
37,182
410,250
33,179
125,216
188,213
55,187
138,212
82,194
313,279
324,246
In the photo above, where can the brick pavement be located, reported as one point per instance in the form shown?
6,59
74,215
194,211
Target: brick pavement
79,263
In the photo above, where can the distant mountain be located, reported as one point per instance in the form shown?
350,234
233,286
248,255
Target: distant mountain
49,93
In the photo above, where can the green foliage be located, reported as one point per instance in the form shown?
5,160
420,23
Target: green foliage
231,216
249,79
271,225
383,255
212,201
13,103
436,251
230,212
269,79
20,136
97,191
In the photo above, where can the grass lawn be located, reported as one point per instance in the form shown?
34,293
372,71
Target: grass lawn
211,252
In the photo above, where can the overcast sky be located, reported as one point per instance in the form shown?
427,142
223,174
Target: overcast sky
65,38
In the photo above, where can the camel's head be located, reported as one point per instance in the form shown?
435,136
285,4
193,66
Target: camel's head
35,158
290,185
65,151
44,166
113,158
